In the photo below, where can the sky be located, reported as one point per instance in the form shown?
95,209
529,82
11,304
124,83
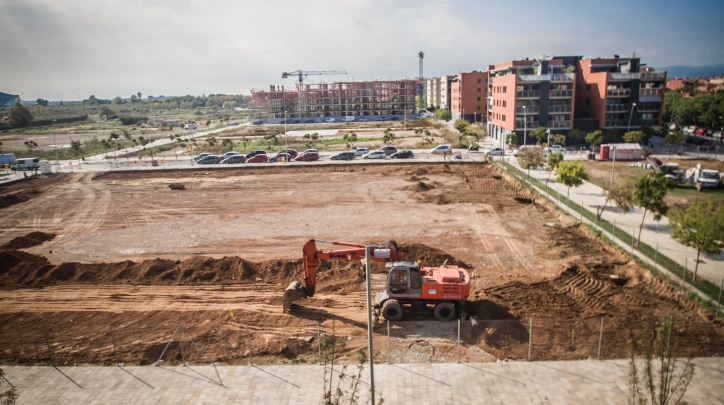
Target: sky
71,49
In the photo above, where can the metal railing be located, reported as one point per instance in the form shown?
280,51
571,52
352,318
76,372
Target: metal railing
560,109
529,94
618,92
560,93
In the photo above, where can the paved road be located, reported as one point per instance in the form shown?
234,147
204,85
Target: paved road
565,382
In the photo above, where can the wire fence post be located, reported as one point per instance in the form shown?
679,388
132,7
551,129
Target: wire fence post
613,232
530,337
718,302
47,343
113,340
596,224
683,280
633,239
656,256
458,340
600,340
319,343
248,343
181,344
389,358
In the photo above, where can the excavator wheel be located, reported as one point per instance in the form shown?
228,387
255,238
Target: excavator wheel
392,310
445,311
294,292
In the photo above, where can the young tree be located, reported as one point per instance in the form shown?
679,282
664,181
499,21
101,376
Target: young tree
635,137
669,384
539,134
571,174
621,195
389,137
701,226
30,145
530,158
75,146
227,144
557,139
649,193
444,115
351,138
554,159
576,135
462,125
511,140
673,137
595,139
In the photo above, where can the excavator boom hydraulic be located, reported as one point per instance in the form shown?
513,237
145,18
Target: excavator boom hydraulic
312,256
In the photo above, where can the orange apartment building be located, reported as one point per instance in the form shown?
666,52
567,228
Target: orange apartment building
469,96
567,92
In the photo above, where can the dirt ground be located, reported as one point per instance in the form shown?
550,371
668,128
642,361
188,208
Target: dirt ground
107,266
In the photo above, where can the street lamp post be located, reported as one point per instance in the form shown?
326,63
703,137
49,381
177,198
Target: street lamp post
525,125
548,142
630,116
55,150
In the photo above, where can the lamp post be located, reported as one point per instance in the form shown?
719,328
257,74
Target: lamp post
630,116
548,142
525,125
55,149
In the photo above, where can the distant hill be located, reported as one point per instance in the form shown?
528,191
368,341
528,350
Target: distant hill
692,71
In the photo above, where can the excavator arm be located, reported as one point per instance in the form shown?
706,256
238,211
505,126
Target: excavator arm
312,257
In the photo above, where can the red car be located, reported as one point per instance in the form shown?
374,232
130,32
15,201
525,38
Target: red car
258,159
700,131
307,157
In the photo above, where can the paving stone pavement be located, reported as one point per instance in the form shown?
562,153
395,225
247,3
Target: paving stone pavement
546,382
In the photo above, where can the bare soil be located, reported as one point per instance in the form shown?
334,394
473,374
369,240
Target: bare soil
109,266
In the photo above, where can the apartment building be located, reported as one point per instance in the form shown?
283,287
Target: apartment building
468,96
432,93
339,99
567,92
445,84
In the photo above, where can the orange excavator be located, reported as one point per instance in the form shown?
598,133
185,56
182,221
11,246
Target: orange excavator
409,286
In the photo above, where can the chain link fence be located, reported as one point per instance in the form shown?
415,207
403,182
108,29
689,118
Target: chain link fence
415,342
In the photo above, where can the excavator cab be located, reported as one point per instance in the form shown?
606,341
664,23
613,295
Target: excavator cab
404,280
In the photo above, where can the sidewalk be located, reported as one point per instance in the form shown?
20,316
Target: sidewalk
654,233
565,382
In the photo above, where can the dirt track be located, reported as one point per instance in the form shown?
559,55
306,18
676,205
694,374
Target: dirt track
123,252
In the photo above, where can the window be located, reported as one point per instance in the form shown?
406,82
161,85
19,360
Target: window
505,89
503,118
505,103
478,98
478,108
588,87
479,81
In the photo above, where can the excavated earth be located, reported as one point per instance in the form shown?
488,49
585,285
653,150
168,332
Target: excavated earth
117,266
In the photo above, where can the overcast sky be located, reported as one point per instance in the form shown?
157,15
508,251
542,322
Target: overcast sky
180,47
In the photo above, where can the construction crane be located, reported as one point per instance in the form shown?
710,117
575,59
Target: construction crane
304,73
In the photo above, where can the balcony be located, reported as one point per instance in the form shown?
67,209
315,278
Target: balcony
650,92
616,123
618,92
653,76
533,109
618,107
560,94
560,109
649,123
528,94
559,124
562,78
519,124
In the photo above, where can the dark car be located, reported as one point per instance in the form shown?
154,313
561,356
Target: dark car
259,158
403,154
388,150
281,157
208,160
234,159
343,156
254,153
307,157
256,123
292,152
203,155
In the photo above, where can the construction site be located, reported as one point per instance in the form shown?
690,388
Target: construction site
97,268
338,99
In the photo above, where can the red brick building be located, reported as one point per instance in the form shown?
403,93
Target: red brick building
469,96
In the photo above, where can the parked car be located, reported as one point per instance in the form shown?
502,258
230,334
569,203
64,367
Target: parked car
234,123
343,156
201,155
330,120
229,154
402,154
25,164
689,130
292,152
389,150
495,152
556,148
311,150
361,151
307,157
208,160
441,149
256,123
375,154
258,158
233,159
281,157
473,148
189,126
254,153
700,131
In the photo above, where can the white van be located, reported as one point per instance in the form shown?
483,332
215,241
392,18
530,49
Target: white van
441,149
26,164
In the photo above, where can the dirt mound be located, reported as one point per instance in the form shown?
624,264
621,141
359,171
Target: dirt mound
29,240
418,187
17,198
429,256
